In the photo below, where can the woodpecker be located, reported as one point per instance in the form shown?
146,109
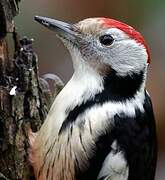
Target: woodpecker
101,125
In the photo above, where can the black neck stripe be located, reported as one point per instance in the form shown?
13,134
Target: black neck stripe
116,88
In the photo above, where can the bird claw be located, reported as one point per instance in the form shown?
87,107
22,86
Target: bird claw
32,137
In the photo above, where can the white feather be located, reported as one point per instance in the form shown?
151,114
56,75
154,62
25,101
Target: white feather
114,166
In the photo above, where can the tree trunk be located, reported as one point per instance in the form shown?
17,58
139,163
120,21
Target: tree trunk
22,103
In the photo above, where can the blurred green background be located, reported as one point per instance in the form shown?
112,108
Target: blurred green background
146,16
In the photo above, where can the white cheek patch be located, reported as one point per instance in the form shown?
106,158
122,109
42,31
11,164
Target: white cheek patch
126,55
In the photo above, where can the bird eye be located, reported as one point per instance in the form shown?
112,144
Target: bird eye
106,40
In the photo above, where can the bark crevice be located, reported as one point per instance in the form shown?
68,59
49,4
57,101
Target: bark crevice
23,104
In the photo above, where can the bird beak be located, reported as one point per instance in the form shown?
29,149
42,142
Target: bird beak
62,29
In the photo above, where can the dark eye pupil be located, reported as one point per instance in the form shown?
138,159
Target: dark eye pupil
106,40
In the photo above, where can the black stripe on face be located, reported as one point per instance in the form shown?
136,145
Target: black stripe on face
116,89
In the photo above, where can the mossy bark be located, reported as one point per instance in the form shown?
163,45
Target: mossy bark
26,107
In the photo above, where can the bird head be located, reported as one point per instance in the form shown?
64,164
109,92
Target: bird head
102,45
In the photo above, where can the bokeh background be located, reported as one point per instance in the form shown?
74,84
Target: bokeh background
146,16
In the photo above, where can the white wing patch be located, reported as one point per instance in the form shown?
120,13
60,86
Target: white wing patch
115,166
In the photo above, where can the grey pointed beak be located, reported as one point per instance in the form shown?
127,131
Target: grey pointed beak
65,30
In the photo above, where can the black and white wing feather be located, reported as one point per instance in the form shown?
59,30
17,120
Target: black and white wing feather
135,153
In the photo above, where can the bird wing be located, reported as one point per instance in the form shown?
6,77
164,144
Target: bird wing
136,152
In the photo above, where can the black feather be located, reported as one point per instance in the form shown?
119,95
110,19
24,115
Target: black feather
136,138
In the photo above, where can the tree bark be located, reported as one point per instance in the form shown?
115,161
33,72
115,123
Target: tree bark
23,105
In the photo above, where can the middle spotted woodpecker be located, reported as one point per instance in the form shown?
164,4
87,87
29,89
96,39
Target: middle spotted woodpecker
101,125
